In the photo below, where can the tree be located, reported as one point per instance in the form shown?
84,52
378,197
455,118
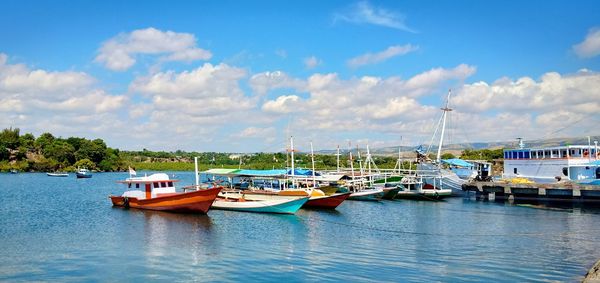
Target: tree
85,163
44,140
10,138
60,151
448,156
27,141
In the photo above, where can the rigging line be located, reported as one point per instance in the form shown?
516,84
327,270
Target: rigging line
567,126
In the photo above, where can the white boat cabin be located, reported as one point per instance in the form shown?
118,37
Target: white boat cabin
549,164
149,186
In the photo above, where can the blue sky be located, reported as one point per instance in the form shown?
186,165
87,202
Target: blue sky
241,75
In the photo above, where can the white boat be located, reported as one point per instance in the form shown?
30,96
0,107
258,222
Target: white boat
579,163
57,174
237,202
426,167
413,187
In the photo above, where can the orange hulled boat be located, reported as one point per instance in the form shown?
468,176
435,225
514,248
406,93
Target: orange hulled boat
157,192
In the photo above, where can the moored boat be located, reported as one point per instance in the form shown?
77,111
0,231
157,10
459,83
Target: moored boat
83,173
160,194
239,203
389,193
327,201
368,194
57,174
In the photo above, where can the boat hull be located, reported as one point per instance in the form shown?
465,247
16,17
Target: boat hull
83,176
327,202
190,202
281,206
425,194
57,174
367,195
390,193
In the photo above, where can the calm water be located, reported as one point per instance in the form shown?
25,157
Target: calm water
64,229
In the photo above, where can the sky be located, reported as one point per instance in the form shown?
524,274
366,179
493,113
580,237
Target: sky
243,76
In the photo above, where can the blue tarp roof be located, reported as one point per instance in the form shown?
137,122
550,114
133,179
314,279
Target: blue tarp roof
274,172
457,162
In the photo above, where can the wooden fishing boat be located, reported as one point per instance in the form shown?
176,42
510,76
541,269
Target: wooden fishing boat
389,193
237,202
160,194
370,194
327,201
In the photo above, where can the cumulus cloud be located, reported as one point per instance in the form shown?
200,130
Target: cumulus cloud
119,52
311,62
42,100
590,47
364,13
553,91
373,58
188,103
366,104
256,132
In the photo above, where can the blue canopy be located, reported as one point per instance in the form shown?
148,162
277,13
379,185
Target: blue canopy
457,162
302,172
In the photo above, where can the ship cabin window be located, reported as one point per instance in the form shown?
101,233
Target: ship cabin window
137,185
515,170
565,171
505,155
156,185
129,185
170,184
163,184
526,154
564,154
555,154
520,154
572,151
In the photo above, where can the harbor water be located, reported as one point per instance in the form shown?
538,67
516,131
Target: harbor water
65,229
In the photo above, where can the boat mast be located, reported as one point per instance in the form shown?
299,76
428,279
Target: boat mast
196,170
351,162
338,158
446,110
292,156
312,156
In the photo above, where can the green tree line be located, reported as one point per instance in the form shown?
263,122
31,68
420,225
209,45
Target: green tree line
49,153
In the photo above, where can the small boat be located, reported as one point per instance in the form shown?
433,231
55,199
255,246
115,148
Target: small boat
390,192
327,201
368,194
160,194
57,174
414,188
235,201
14,171
83,173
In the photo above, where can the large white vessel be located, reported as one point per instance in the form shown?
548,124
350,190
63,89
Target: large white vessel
550,164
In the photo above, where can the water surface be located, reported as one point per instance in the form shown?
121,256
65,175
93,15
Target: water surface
65,229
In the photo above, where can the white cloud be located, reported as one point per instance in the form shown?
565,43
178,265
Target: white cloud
373,58
363,13
119,52
311,62
40,100
256,132
283,104
590,47
261,83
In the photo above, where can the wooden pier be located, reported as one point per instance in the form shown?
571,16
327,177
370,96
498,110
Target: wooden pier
571,192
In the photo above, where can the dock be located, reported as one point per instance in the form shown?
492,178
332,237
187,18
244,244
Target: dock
567,191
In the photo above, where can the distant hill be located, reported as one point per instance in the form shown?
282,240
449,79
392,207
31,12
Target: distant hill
393,150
